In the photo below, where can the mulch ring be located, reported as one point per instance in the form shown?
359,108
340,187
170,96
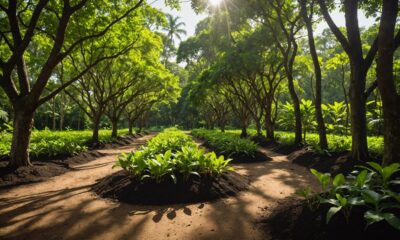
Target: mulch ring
121,187
293,220
46,166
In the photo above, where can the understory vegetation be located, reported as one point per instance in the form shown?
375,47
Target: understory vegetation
338,143
172,155
57,143
226,143
373,189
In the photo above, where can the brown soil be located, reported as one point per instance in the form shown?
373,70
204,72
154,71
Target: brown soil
48,167
121,187
293,220
64,207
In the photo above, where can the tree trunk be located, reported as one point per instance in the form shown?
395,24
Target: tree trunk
323,142
386,83
269,125
358,112
23,123
346,101
244,134
96,127
297,112
54,114
258,127
114,133
130,127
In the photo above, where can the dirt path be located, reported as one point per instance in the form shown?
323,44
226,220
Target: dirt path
64,208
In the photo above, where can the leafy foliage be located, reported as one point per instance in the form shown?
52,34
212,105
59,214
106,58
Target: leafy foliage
226,143
56,143
373,189
172,155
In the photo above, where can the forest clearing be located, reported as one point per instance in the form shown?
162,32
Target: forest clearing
199,119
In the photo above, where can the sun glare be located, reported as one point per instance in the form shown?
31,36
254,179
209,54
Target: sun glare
215,2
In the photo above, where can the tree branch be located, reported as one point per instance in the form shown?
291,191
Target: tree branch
336,31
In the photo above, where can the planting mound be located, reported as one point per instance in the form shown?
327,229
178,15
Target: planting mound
121,187
240,157
243,158
49,166
293,220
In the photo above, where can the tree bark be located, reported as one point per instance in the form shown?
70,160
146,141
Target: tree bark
386,83
346,101
130,127
23,123
53,108
244,134
358,112
114,132
96,127
297,111
269,126
323,142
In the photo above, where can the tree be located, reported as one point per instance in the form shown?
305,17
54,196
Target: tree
174,28
308,19
387,45
58,30
284,22
360,65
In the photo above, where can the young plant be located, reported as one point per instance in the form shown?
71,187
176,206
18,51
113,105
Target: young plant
374,190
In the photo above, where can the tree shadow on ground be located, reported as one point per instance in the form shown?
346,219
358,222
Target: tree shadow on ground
75,213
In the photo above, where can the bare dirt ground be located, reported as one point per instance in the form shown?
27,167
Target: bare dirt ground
63,207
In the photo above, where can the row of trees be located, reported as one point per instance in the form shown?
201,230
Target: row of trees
102,55
256,54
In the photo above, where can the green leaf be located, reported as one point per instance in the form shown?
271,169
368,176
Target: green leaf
373,217
332,211
392,220
361,178
339,180
376,166
356,201
371,197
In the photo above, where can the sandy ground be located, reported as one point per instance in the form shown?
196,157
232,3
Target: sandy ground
64,207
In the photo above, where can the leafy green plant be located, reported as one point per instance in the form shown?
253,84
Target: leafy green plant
373,190
183,159
227,144
56,143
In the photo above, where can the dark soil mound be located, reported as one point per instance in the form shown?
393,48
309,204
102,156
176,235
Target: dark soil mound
335,162
244,158
293,220
239,157
121,187
284,148
262,141
36,173
46,166
338,162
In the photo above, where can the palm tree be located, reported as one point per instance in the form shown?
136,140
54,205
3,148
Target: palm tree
174,28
